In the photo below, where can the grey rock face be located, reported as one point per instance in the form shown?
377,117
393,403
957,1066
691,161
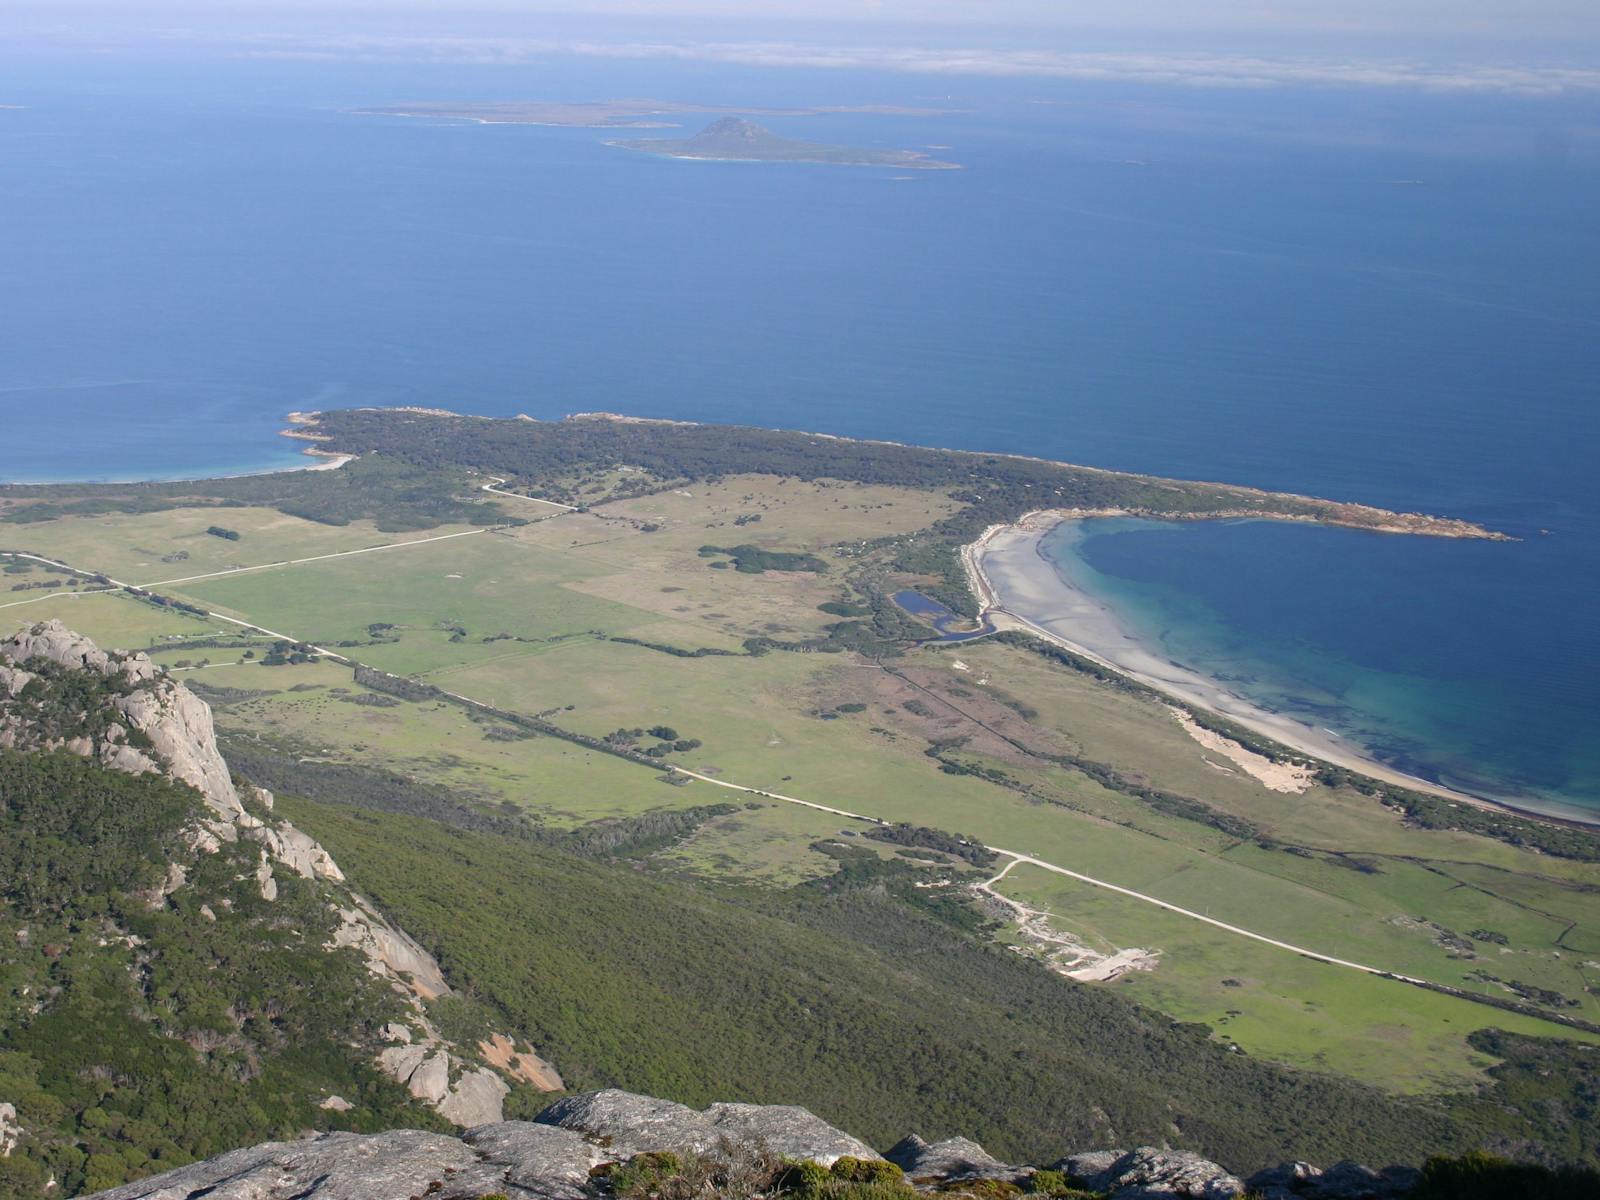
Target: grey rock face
10,1130
1090,1164
390,952
177,722
401,1062
952,1159
1352,1181
516,1159
13,680
431,1081
336,1166
1154,1174
787,1130
630,1124
478,1098
53,641
541,1159
297,851
554,1157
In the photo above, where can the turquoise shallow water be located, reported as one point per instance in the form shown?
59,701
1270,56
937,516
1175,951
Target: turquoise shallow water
1353,633
1369,294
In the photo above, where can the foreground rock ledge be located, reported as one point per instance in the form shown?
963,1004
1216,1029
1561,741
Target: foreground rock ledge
554,1157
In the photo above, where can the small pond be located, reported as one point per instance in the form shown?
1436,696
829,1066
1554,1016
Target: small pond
941,617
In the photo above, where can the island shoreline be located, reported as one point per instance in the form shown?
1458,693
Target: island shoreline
1007,571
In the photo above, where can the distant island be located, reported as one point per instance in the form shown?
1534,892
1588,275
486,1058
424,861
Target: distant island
610,114
737,140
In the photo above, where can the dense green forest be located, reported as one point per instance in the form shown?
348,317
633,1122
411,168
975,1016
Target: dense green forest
132,1038
537,449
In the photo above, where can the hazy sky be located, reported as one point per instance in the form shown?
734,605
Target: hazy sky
1448,18
1528,47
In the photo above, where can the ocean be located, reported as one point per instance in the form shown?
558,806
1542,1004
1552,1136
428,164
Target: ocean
1373,294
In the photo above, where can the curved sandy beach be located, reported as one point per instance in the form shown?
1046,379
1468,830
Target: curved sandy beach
1021,589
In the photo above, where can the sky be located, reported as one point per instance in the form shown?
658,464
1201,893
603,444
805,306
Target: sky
1446,18
1527,47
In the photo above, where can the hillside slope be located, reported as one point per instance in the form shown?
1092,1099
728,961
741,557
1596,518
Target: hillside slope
180,968
183,971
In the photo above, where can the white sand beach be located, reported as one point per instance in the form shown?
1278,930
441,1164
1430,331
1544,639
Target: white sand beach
1022,590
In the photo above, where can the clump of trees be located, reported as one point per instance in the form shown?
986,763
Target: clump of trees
753,560
285,653
953,844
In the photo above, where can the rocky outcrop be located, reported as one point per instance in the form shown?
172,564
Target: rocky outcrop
295,850
1151,1174
476,1098
172,720
1342,1181
951,1160
152,723
563,1153
390,952
10,1129
514,1159
632,1124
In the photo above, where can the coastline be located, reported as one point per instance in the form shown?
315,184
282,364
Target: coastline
327,460
1018,588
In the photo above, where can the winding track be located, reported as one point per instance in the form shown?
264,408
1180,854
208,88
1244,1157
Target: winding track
1017,857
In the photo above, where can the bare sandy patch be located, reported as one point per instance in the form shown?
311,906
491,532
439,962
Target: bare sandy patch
1274,776
499,1052
1064,953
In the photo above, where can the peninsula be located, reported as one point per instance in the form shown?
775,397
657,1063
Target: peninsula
733,139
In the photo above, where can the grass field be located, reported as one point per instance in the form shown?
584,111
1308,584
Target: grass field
110,620
1278,1005
147,548
520,619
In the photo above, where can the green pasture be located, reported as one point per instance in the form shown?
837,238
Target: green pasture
1276,1004
131,546
109,619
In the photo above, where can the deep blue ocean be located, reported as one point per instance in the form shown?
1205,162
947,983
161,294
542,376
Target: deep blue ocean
1369,293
